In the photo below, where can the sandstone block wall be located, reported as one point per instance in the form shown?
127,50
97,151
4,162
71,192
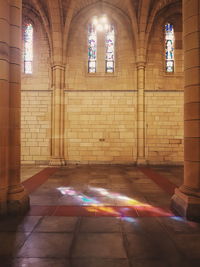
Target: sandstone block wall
164,127
36,127
36,103
100,126
100,111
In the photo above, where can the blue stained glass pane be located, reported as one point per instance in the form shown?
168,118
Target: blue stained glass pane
169,47
28,48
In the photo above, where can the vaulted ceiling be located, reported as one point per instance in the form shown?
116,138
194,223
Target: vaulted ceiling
57,16
139,7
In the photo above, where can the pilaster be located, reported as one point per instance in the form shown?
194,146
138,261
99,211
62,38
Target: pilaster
57,157
141,114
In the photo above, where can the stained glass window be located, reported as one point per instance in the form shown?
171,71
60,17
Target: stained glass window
28,48
169,47
110,49
92,48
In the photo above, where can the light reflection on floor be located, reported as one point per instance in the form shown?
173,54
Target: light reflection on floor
127,209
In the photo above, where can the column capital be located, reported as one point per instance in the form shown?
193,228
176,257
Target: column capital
57,66
140,64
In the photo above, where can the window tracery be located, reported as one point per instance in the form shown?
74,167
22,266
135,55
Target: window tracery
100,25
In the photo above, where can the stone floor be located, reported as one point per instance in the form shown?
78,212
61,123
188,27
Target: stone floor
100,216
29,170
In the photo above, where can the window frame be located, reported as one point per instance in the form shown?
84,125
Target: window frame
165,49
26,22
103,71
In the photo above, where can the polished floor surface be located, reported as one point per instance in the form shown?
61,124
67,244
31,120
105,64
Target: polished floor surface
100,216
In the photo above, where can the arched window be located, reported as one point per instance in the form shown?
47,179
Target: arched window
169,47
110,49
98,28
28,48
92,48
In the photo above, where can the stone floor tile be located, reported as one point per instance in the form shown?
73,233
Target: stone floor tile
150,188
134,200
39,262
100,224
162,201
151,225
99,245
150,241
10,242
131,225
131,193
120,186
44,245
100,180
105,201
57,224
149,263
157,246
70,201
100,263
43,200
188,244
140,247
20,224
177,224
141,225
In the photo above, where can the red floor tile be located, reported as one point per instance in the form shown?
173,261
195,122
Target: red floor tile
127,211
38,179
153,212
159,179
76,211
41,210
107,211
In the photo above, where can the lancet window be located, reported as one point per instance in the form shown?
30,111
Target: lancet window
169,47
28,48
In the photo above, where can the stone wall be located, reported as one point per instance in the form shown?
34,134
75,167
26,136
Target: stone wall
164,127
100,111
36,127
101,126
36,103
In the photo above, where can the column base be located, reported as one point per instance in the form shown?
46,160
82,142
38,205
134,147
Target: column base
3,208
57,162
141,161
18,201
3,201
186,206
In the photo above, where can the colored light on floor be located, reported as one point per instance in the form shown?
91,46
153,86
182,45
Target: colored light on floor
131,207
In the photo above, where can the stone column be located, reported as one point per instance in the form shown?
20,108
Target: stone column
14,198
4,102
141,114
186,200
58,76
